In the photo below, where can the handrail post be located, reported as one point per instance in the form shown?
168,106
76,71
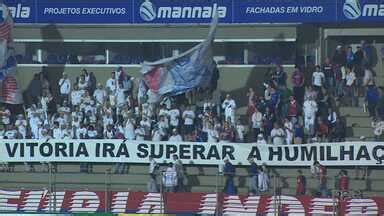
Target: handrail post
50,186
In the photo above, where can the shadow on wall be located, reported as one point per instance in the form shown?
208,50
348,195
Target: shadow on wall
255,80
55,45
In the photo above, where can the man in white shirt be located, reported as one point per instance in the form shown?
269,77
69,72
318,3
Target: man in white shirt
111,83
120,97
257,123
156,134
175,136
81,132
57,133
34,121
189,117
277,135
350,82
76,96
164,112
318,78
163,124
309,109
64,87
170,178
140,133
145,123
100,94
229,106
174,115
240,131
212,134
288,127
129,129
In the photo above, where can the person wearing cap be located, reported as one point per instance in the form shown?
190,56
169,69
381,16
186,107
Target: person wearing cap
229,173
339,57
229,107
64,87
254,173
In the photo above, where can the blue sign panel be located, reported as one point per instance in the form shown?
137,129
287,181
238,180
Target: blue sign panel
182,11
195,11
282,11
71,11
23,11
84,11
361,11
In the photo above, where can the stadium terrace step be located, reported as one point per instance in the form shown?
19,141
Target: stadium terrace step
353,112
199,179
359,122
361,131
357,139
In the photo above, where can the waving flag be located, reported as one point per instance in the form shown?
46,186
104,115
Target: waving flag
6,24
179,74
9,90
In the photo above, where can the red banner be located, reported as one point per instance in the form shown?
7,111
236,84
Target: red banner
172,203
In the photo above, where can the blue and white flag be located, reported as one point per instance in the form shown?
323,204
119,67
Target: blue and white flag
179,74
9,90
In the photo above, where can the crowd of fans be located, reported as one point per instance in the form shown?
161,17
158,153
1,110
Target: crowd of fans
86,109
305,113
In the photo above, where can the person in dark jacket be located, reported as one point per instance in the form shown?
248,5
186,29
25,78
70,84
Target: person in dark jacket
35,89
339,57
229,173
372,98
254,173
301,183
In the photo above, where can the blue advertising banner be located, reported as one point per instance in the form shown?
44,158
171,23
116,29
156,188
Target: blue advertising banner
23,11
280,11
71,11
83,11
195,11
182,11
360,11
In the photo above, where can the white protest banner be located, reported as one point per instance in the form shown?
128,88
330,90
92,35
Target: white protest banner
330,154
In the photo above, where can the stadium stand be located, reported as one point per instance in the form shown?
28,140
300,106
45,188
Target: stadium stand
270,85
